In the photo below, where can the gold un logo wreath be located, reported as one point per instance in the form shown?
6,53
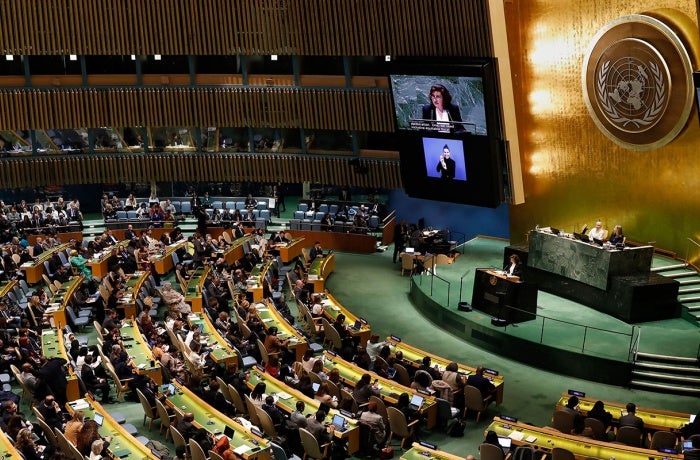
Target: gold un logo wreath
633,92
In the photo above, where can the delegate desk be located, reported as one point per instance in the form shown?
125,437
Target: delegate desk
414,357
419,451
122,445
140,352
235,250
34,270
333,308
163,261
7,286
612,281
494,293
99,265
269,316
290,250
257,280
654,419
205,416
286,399
319,270
547,438
61,300
53,346
7,449
128,301
389,390
221,351
193,293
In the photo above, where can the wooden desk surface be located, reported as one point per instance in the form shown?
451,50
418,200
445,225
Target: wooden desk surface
269,316
413,356
205,416
139,350
164,262
34,270
221,351
654,419
59,302
546,439
286,399
319,271
195,285
388,389
418,452
121,441
256,279
291,250
333,308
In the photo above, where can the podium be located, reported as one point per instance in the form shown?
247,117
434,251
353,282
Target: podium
495,294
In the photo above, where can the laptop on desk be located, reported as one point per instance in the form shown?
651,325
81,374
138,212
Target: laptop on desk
505,443
416,402
339,423
357,326
99,419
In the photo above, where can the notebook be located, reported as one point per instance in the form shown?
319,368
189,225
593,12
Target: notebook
416,402
339,422
505,443
99,419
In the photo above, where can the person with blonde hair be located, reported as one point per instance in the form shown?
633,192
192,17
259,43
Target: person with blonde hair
25,444
96,449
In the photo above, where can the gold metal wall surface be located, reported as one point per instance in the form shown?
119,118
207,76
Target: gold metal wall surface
221,27
573,174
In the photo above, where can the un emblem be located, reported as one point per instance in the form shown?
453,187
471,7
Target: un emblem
637,82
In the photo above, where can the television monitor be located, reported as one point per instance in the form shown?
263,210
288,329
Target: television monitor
449,125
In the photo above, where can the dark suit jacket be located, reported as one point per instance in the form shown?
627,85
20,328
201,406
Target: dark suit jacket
482,383
517,271
448,172
632,420
453,110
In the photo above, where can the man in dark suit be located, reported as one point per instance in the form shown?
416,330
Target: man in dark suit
52,371
129,234
631,419
92,382
485,386
316,251
38,248
446,166
694,453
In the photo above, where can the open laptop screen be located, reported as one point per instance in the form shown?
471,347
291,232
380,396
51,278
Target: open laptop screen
99,418
338,421
417,401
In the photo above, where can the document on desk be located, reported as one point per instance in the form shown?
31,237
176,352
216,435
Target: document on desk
516,435
242,449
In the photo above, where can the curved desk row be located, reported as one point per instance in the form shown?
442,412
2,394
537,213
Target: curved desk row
420,451
333,308
319,270
34,270
221,351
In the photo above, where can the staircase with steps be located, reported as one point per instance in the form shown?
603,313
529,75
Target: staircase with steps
669,374
689,291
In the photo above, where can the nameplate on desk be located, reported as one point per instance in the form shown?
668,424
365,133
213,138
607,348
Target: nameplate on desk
427,445
260,368
491,371
580,394
363,321
332,353
508,418
397,339
313,277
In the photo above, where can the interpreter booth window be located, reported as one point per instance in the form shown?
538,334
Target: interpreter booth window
14,67
218,65
111,140
265,141
171,139
225,139
290,141
111,65
165,64
377,141
15,143
321,65
264,71
61,141
53,65
328,141
133,138
370,66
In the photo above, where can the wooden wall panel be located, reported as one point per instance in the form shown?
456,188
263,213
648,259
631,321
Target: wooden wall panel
216,27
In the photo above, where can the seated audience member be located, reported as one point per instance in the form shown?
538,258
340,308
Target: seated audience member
598,412
73,426
272,410
631,419
89,434
25,444
96,449
51,412
492,438
694,453
375,422
571,406
186,427
364,389
297,418
316,427
323,394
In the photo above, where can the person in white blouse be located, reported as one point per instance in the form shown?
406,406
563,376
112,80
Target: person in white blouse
597,232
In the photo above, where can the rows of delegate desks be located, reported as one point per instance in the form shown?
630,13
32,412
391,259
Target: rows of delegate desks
547,438
287,397
221,352
654,419
332,309
122,444
33,270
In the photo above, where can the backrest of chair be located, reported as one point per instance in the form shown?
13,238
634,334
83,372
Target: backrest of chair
490,452
563,421
263,351
629,435
278,452
214,456
252,411
381,407
178,439
663,439
397,422
147,409
559,453
310,444
49,434
596,426
266,422
333,389
236,399
196,451
474,400
223,387
332,333
37,414
346,395
402,376
314,377
162,414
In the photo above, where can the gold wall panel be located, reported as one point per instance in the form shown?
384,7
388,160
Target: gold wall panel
572,173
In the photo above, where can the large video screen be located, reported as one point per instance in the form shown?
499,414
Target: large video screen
439,103
449,125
